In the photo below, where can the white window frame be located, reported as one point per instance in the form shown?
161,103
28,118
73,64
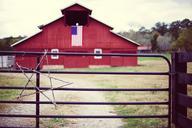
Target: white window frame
54,56
95,52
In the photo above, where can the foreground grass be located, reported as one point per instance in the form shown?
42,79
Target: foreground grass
167,55
145,65
141,82
9,80
53,123
134,81
138,96
141,110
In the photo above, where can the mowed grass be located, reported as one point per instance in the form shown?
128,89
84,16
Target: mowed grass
143,81
6,80
11,80
134,81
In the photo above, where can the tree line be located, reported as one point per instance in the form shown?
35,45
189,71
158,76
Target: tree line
174,36
5,43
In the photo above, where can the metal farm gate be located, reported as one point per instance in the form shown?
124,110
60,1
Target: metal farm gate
38,89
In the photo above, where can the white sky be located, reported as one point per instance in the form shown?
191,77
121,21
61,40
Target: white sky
21,17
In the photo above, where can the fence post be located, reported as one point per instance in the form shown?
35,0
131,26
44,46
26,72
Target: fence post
37,92
177,67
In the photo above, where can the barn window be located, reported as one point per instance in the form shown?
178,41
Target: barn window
73,17
97,51
54,51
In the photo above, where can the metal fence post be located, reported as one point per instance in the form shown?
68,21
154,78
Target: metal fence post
37,92
177,67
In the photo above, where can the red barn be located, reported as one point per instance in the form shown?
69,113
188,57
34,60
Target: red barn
76,31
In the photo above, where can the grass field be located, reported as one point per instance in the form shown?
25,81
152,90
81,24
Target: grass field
122,81
6,80
133,81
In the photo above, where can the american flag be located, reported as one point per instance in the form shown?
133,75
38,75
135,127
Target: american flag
76,33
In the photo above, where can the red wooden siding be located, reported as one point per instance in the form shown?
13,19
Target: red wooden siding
56,35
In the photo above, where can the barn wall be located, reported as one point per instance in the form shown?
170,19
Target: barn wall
25,61
79,61
57,35
95,35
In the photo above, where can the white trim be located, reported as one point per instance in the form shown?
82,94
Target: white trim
54,57
18,42
126,38
95,52
99,66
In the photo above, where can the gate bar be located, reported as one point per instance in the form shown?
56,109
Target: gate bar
83,116
84,72
86,54
37,93
89,89
15,127
86,103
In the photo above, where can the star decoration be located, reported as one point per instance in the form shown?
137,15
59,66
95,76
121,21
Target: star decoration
29,80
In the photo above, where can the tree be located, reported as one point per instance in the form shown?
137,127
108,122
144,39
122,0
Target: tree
186,23
143,30
174,29
161,28
164,42
154,41
131,34
5,43
184,41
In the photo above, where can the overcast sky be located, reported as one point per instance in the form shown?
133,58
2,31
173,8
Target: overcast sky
21,17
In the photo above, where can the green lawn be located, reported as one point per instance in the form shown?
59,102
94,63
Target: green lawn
8,80
134,81
168,55
137,82
11,80
113,81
